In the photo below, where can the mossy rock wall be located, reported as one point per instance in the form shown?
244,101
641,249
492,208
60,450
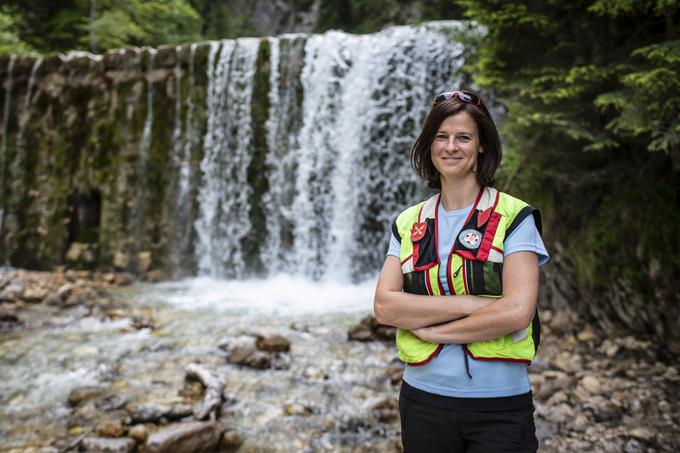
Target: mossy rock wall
81,187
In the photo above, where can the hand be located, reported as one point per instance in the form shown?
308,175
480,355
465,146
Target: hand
425,334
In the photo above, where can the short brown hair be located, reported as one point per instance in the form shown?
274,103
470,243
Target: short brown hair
487,162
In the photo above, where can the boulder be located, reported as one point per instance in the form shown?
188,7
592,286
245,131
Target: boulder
250,357
34,295
83,394
191,437
272,343
369,329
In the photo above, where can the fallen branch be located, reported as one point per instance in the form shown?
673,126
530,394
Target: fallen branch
212,397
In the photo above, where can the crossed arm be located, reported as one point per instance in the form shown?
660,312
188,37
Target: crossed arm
460,319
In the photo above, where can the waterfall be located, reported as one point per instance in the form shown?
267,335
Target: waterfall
338,135
224,194
235,158
365,98
3,154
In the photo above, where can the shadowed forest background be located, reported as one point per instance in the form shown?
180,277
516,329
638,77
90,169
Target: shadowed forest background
587,95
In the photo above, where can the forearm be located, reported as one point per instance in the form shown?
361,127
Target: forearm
411,311
495,320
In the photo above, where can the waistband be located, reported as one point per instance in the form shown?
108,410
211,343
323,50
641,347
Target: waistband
452,403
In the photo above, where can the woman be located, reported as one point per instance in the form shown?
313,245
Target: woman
466,385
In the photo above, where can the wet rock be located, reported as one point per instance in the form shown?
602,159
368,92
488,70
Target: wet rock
111,403
81,296
138,433
634,446
230,442
65,291
154,414
34,295
272,343
53,299
369,329
11,292
108,445
81,395
143,321
250,357
8,313
191,437
110,428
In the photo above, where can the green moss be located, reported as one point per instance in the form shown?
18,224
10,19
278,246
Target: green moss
258,174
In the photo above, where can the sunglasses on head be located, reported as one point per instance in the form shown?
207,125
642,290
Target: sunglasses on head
464,96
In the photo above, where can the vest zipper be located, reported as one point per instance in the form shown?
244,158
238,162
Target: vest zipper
455,274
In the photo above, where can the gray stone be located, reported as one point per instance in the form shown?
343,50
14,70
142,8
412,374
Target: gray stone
108,445
191,437
272,343
83,394
248,356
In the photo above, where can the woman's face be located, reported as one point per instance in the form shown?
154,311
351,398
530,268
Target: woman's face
455,147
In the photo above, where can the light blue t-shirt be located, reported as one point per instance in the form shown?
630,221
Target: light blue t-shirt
446,374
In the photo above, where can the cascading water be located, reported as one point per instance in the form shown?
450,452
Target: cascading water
224,193
338,180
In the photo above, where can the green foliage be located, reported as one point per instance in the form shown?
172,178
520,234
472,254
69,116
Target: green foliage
224,19
10,42
595,73
591,87
367,16
136,22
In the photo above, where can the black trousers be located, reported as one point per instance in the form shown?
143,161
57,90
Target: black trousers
429,429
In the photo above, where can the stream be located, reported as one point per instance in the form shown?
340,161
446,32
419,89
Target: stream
316,398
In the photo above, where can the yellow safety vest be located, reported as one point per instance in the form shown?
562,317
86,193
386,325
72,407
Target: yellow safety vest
475,266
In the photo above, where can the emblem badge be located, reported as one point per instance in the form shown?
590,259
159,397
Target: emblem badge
418,231
470,238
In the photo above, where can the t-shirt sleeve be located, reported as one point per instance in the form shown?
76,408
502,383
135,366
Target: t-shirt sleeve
394,247
526,238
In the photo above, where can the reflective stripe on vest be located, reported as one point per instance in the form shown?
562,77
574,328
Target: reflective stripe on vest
474,267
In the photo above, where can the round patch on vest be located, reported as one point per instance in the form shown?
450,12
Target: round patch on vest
470,238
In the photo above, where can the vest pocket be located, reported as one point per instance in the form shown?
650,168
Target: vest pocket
484,278
416,283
